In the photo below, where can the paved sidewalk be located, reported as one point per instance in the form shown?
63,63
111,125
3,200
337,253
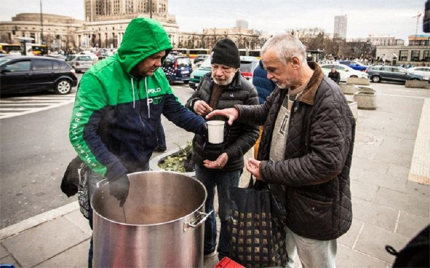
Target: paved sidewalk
389,184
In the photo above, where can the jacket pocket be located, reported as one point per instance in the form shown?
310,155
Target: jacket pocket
309,217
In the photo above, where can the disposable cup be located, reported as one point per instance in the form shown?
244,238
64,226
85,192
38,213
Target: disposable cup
216,131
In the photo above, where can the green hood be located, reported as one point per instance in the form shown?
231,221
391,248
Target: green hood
142,38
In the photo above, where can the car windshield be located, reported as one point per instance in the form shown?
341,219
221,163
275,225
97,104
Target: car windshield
183,62
246,66
206,64
84,58
345,68
4,60
71,57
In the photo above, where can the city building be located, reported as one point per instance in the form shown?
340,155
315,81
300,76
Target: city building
242,24
385,41
244,38
58,31
105,23
340,26
417,52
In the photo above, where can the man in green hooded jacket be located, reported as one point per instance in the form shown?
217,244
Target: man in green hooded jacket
118,107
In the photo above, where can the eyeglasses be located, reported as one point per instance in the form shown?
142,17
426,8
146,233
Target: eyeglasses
222,68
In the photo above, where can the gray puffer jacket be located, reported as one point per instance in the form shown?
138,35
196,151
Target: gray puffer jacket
318,157
241,136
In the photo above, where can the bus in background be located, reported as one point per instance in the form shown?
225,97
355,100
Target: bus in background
7,48
39,50
250,52
191,52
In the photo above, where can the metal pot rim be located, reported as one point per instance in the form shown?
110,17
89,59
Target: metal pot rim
183,218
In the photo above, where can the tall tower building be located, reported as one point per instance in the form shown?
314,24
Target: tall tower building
101,10
340,26
241,24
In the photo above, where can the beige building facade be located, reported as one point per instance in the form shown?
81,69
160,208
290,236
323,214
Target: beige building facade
105,23
417,52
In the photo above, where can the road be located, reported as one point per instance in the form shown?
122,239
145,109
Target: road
35,151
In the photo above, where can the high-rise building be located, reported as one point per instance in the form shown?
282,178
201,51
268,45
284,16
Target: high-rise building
241,24
102,10
340,26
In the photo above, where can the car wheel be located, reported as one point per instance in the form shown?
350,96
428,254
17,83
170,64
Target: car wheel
186,81
354,76
376,79
63,87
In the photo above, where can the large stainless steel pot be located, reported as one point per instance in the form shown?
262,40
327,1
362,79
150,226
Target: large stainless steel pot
160,225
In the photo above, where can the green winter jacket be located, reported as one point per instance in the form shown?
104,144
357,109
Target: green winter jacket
115,117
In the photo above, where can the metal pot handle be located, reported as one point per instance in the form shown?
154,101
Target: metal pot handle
101,183
201,218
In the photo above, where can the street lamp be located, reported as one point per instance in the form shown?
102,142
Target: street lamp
150,9
41,23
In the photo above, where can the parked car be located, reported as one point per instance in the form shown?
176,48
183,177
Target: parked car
424,71
200,58
197,74
80,63
15,52
23,74
57,56
378,73
344,71
247,66
354,65
177,68
92,55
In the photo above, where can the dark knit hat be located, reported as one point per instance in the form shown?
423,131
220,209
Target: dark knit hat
225,52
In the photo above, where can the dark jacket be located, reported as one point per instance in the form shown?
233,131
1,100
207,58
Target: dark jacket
116,115
318,157
241,136
334,76
263,85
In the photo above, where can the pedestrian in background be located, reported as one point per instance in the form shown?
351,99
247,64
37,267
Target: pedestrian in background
118,108
264,88
220,165
334,75
306,150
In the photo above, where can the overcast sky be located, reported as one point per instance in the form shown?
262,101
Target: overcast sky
365,17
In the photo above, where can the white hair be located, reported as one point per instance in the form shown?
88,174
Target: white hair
286,47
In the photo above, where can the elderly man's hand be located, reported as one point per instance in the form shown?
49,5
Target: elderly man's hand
219,163
253,166
202,108
231,113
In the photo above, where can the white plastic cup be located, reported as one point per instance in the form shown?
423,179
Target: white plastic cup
216,131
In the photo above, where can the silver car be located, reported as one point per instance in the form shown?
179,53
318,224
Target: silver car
344,71
80,63
424,71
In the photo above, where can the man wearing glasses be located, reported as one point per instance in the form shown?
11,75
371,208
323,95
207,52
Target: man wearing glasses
220,165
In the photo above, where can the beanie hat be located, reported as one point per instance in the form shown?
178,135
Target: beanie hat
225,52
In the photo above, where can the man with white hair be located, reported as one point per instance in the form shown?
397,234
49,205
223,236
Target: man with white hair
305,152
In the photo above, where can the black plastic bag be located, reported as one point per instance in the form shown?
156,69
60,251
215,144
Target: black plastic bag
415,253
70,182
257,235
75,180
